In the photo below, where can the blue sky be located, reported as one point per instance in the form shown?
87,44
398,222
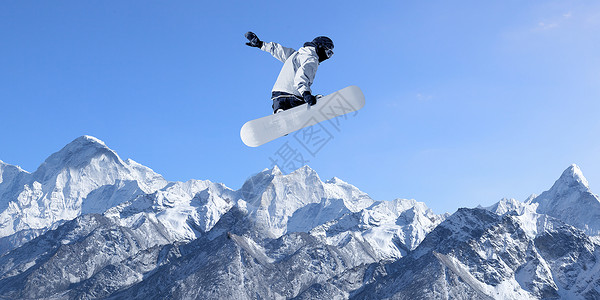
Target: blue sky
467,102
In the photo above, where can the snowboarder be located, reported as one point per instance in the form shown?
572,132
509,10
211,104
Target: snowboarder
292,87
294,105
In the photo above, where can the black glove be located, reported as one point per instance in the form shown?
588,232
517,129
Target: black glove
253,40
308,98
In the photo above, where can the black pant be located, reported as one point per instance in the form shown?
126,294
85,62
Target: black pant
286,102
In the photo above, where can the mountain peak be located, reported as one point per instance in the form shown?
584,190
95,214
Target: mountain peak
275,171
76,154
89,139
571,178
84,142
571,200
305,170
570,186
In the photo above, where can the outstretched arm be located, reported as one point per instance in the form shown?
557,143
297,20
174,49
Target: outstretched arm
278,51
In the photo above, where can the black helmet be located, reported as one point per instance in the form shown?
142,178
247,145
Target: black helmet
323,42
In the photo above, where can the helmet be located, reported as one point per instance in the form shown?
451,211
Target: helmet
323,42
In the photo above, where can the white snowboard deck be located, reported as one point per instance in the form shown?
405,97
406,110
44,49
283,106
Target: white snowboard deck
263,130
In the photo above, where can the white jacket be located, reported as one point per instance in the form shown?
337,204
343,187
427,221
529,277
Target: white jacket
299,68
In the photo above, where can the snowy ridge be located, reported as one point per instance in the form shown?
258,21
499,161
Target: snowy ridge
392,227
88,224
11,179
299,200
476,254
88,177
58,190
569,200
185,209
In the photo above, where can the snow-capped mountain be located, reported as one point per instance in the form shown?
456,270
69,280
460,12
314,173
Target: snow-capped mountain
394,228
79,253
571,200
476,254
186,209
83,177
299,200
88,224
88,177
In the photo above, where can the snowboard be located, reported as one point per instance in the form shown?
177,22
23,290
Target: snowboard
263,130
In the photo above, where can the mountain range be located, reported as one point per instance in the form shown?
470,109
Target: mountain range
87,224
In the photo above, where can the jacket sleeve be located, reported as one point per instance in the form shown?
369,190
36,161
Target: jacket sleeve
278,51
306,73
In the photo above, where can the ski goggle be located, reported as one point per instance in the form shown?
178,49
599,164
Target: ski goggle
329,53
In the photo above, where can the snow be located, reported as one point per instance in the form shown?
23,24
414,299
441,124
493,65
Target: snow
569,199
319,230
255,250
88,177
299,201
392,227
508,289
61,188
